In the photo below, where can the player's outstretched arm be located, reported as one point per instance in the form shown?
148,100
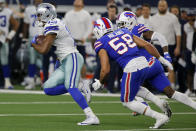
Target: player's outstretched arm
152,50
155,36
45,46
144,44
105,65
105,69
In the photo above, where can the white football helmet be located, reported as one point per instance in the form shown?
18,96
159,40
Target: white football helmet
46,12
2,5
126,19
102,26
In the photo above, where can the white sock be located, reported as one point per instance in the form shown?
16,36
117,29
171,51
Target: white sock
7,82
142,109
31,81
88,112
173,86
151,113
184,99
146,94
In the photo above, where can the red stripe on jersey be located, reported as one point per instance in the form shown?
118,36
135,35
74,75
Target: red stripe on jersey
127,88
151,61
107,24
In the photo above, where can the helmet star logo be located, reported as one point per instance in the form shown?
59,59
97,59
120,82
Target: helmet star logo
47,7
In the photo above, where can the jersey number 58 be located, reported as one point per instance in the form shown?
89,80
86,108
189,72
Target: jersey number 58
128,42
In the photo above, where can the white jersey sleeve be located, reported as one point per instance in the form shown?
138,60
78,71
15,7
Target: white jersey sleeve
53,26
64,42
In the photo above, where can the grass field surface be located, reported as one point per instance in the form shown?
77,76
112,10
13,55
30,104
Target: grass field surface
38,112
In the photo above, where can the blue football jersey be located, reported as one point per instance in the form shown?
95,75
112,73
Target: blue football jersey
119,46
138,30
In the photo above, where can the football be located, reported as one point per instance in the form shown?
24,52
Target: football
40,39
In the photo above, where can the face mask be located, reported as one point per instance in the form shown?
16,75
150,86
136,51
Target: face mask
39,23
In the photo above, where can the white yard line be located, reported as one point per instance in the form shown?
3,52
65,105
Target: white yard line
171,129
41,92
81,114
67,102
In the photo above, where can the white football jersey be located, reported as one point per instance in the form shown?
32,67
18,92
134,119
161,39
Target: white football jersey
30,18
64,42
5,15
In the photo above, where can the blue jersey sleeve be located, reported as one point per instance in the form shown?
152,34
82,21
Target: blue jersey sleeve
142,28
98,46
139,29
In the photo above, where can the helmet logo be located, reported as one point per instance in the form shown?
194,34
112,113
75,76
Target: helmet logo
130,15
106,23
47,7
96,24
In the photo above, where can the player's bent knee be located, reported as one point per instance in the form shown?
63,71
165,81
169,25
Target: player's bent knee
47,91
57,90
169,91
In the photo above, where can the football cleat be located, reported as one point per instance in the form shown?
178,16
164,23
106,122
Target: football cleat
160,122
9,87
30,87
167,109
89,121
84,87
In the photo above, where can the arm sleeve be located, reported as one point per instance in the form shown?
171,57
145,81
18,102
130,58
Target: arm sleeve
162,40
177,26
88,25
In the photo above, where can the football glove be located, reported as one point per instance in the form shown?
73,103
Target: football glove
96,85
165,62
167,57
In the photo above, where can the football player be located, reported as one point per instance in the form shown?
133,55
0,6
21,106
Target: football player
6,19
122,46
30,27
155,76
66,77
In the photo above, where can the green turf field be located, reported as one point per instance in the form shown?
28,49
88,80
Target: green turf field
30,112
